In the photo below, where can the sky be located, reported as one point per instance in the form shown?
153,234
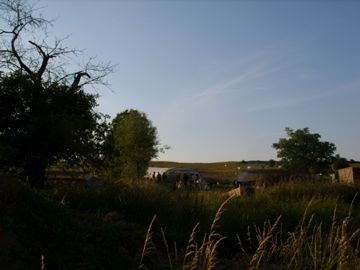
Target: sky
222,79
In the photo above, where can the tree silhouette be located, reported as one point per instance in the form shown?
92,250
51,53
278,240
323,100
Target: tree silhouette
45,114
303,152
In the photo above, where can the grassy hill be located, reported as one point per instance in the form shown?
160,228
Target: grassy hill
223,172
226,172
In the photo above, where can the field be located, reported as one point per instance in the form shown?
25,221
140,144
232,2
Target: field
222,172
292,225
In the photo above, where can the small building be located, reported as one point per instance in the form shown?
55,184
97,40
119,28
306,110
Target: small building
349,175
243,188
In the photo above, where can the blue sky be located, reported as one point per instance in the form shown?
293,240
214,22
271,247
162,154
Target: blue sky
222,79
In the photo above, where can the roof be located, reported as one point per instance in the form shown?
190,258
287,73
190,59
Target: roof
182,169
350,167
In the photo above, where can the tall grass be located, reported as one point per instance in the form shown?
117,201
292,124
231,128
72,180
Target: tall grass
148,244
197,256
308,246
274,226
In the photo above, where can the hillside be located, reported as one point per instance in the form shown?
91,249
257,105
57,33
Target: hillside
224,172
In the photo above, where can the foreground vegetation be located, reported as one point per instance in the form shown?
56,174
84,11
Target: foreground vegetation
293,225
47,117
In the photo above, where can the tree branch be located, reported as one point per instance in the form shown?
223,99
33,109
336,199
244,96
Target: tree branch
35,56
15,52
45,58
76,82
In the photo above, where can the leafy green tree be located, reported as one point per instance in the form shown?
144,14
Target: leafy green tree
303,152
339,163
42,125
130,145
272,163
45,114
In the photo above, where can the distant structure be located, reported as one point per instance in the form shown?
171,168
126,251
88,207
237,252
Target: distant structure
179,178
349,175
243,188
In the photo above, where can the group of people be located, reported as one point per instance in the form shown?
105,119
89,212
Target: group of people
184,180
158,177
179,180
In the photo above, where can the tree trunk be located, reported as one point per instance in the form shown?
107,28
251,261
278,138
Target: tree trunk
35,172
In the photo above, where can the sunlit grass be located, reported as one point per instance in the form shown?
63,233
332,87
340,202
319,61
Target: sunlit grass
179,211
307,246
272,229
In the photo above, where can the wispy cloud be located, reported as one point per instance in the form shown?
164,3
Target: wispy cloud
226,86
265,71
247,80
291,102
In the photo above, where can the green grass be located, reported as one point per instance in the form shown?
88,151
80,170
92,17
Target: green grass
306,246
36,225
178,212
66,223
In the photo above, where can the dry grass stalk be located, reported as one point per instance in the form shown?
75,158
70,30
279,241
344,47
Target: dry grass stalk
204,257
191,249
167,248
264,240
42,262
307,247
148,244
296,241
196,257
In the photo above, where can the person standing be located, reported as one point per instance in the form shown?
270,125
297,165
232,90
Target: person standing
158,178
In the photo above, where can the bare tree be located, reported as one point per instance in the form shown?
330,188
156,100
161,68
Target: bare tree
45,114
24,46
